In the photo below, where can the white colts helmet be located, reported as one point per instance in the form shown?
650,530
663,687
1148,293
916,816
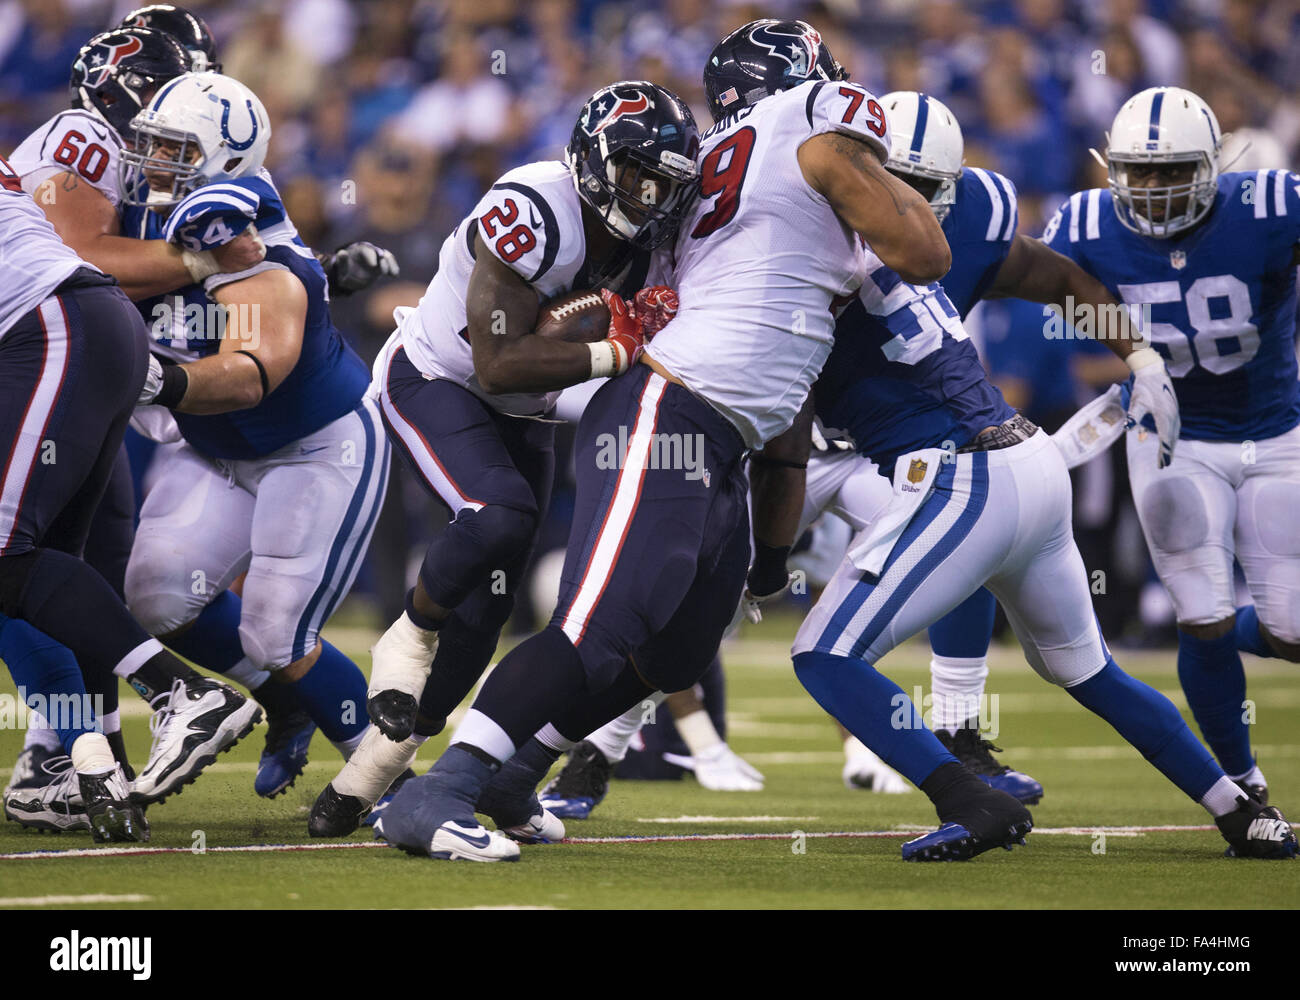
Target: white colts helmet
221,128
926,143
1166,125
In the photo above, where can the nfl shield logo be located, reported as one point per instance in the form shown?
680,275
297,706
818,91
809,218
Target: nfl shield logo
916,471
1178,260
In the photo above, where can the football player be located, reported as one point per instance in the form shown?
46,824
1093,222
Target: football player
977,210
905,382
284,464
467,393
1213,257
71,166
792,183
73,358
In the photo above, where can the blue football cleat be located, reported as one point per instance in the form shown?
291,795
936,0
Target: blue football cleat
977,754
285,754
953,842
580,786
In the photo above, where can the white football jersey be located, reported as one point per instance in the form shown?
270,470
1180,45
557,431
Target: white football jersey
35,260
531,219
74,142
761,256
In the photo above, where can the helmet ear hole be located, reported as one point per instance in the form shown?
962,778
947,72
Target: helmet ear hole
233,165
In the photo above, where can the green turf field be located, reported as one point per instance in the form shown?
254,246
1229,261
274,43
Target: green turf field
1092,781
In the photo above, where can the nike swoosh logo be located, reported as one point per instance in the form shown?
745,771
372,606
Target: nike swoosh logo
312,451
482,841
532,214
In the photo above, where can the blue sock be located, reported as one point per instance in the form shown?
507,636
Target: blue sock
49,677
965,631
1149,721
1247,634
875,710
1214,682
334,694
213,640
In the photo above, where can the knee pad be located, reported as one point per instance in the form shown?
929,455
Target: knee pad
1174,514
269,644
158,598
503,533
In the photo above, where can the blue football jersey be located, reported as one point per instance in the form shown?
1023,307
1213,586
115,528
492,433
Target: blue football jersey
329,378
903,374
980,227
1222,298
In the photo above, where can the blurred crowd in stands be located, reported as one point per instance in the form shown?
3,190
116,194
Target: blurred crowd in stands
391,117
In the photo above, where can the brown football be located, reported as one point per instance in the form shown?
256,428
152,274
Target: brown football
577,317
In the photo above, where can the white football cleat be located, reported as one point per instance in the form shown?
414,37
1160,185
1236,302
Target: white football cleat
864,770
200,719
454,841
543,828
400,664
55,805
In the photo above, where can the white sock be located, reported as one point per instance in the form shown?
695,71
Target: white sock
91,754
39,733
482,731
1252,777
549,736
348,747
111,722
697,732
613,738
1222,797
956,688
375,763
138,657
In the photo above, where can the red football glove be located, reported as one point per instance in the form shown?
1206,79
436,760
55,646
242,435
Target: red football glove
655,308
626,338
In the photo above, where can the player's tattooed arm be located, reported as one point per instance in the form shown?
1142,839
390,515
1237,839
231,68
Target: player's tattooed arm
893,218
1034,271
501,310
262,340
90,225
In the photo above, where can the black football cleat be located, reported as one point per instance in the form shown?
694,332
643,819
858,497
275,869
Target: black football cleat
974,818
581,785
1254,830
394,713
109,809
977,754
335,815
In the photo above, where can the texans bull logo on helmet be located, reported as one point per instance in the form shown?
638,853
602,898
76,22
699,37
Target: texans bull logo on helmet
98,63
799,50
612,106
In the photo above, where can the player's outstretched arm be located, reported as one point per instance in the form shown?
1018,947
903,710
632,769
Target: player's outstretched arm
265,317
893,218
1034,271
501,309
87,222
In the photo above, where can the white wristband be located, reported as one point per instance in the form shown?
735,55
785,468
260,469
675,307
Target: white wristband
1144,357
200,265
605,357
697,732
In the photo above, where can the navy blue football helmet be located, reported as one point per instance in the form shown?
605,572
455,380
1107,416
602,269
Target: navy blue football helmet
116,74
187,28
632,156
764,58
